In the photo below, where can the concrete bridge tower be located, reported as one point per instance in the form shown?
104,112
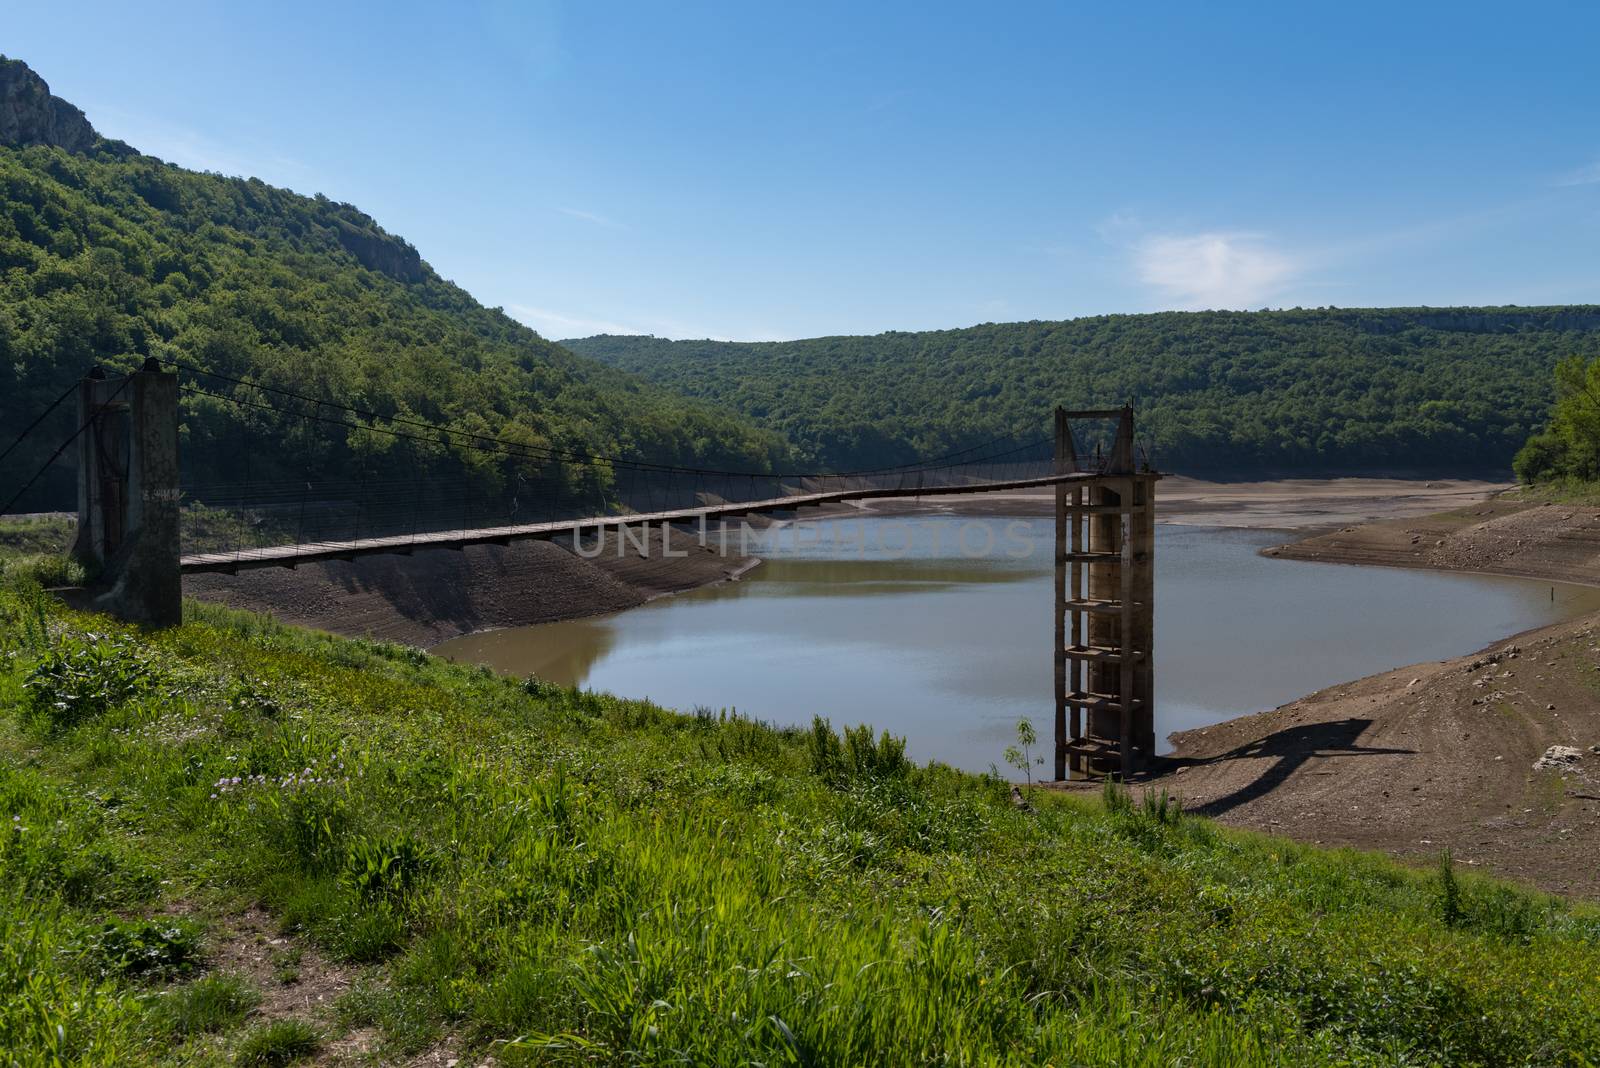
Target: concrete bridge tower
1105,606
128,495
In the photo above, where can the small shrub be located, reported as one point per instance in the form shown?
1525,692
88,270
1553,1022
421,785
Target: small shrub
144,948
1450,909
385,867
1020,755
48,570
860,755
825,752
81,678
1115,797
1507,914
878,759
278,1043
24,613
1162,809
538,688
210,1003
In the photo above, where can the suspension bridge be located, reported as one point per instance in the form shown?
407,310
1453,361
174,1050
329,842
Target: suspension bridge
142,526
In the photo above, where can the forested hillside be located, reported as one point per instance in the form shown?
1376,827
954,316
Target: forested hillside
108,256
1319,391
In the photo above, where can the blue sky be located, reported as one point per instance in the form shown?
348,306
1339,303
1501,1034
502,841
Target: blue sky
762,171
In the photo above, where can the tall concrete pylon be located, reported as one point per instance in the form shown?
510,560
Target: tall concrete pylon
128,495
1104,606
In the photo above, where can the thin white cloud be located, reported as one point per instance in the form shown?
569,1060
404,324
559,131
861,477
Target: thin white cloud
1587,175
1217,269
558,325
589,216
553,324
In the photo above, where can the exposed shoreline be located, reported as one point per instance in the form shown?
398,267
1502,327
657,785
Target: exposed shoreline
1304,504
435,595
1438,755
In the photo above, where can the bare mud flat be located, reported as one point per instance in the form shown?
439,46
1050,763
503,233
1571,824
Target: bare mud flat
1287,504
1504,536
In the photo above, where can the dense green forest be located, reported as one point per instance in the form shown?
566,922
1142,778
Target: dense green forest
1568,448
1324,391
108,256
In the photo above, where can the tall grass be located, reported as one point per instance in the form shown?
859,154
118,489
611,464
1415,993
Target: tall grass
553,877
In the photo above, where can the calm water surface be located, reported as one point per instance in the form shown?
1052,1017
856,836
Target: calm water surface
892,622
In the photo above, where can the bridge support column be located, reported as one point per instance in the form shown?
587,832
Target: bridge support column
1105,608
128,496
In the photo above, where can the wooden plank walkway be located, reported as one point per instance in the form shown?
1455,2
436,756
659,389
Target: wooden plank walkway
291,555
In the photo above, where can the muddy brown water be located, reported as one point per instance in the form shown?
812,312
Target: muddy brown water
938,628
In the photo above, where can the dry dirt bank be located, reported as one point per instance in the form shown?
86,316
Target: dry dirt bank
438,594
1508,537
1435,755
1424,758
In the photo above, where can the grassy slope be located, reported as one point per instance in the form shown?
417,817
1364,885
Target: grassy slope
1561,491
1307,390
604,881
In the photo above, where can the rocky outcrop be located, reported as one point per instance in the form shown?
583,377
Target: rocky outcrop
29,115
381,252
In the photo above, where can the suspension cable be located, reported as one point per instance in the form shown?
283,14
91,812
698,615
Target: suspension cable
42,415
99,410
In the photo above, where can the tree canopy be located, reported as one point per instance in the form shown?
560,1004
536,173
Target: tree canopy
109,257
1308,391
1569,447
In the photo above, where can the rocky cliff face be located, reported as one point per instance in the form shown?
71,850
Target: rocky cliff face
381,252
29,115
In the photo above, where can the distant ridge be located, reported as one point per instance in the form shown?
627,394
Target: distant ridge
1305,391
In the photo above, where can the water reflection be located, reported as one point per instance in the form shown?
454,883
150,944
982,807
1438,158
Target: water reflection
950,651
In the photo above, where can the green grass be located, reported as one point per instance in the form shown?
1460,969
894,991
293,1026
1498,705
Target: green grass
49,534
1559,491
278,1043
558,877
211,1003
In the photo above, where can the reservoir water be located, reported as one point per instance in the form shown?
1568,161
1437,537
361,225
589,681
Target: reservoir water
939,628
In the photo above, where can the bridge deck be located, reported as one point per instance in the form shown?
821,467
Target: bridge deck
291,555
